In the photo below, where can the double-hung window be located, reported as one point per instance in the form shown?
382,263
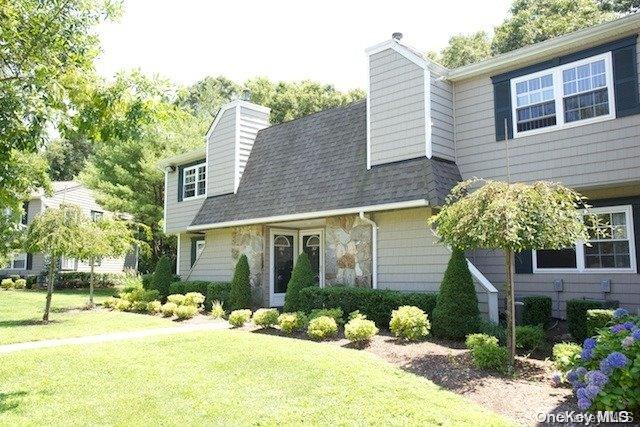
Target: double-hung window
194,181
611,245
18,262
569,95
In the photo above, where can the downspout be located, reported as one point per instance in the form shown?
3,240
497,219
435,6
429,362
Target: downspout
374,250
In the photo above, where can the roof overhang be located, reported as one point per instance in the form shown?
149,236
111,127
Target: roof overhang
527,55
179,159
312,215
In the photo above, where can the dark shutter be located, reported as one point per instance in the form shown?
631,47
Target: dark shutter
625,81
29,261
25,215
524,262
502,108
180,181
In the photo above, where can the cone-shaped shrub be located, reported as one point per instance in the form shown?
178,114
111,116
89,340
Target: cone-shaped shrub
456,314
302,277
162,276
240,293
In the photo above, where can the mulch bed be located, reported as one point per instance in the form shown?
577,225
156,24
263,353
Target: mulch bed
520,397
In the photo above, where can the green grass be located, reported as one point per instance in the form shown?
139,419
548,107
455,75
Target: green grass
21,313
221,378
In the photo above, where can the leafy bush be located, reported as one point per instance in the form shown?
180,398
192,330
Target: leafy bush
20,284
139,306
335,313
290,322
360,330
529,337
217,310
608,373
537,311
598,319
183,312
213,291
456,314
495,330
140,295
238,318
177,299
122,304
193,298
266,317
110,302
409,323
6,284
357,315
474,340
577,315
490,357
322,327
376,304
168,309
240,293
80,279
301,277
162,276
566,355
153,307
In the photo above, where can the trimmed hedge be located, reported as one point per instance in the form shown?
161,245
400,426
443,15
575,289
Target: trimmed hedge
301,277
376,304
577,315
212,291
537,311
240,291
162,277
598,319
78,280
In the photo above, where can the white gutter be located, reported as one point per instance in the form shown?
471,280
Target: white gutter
374,250
187,157
312,215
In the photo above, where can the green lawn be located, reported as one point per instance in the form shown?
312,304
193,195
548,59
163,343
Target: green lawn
21,312
221,378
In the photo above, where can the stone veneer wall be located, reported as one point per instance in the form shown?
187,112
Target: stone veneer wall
348,251
249,240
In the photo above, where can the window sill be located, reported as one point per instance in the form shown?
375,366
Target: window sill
186,199
585,271
570,125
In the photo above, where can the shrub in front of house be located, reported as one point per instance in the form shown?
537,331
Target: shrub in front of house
456,314
110,302
184,312
490,356
529,337
122,305
598,319
212,291
577,315
177,299
409,323
195,299
141,295
168,309
495,330
536,311
240,292
6,284
162,276
153,307
20,284
376,304
80,279
290,322
266,317
322,327
607,375
474,340
360,329
301,277
566,355
335,313
238,318
217,310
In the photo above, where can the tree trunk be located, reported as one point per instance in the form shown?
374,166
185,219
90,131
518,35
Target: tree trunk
52,276
91,275
511,307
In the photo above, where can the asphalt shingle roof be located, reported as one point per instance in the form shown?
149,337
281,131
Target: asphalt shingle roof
319,162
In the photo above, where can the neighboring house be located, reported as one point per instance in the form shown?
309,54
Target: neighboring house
64,192
353,186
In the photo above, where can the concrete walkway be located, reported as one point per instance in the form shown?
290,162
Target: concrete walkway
113,336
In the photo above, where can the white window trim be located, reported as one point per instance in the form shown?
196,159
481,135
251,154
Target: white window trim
558,94
64,260
22,256
580,266
200,244
184,177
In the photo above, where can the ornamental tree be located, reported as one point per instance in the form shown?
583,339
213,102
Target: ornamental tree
512,218
57,232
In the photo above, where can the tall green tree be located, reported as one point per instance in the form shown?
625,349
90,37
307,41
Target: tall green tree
205,97
620,6
465,49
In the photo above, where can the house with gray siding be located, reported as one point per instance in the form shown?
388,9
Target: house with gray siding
64,192
354,186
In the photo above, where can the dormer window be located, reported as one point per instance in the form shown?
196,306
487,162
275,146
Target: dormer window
572,94
194,181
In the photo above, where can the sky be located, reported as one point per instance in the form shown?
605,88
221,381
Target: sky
186,40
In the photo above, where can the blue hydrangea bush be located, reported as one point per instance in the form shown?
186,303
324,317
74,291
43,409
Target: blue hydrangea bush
607,375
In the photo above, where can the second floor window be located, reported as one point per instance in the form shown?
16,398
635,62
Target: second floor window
194,181
577,93
96,215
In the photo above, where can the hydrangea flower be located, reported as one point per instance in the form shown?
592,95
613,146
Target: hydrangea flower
586,353
572,376
597,378
628,341
591,391
578,385
589,343
584,404
629,326
617,360
556,378
636,334
605,367
581,371
620,312
618,328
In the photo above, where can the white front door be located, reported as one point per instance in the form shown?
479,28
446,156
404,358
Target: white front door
284,250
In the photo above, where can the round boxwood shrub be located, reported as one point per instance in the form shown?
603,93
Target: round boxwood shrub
474,340
168,309
6,284
240,293
598,319
153,307
184,312
162,276
335,313
456,314
238,318
301,277
322,327
290,322
266,317
20,284
490,357
359,329
193,298
409,323
177,299
529,337
566,355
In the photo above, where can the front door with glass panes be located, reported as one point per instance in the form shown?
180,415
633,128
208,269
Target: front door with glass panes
285,246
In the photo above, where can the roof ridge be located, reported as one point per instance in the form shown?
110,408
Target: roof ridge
345,106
